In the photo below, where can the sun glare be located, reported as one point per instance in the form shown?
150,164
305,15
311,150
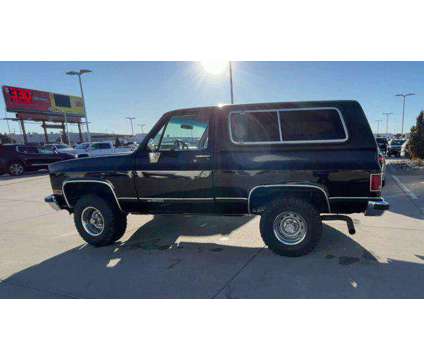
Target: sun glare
214,67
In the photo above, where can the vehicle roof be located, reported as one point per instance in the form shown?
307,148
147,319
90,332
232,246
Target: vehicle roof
273,105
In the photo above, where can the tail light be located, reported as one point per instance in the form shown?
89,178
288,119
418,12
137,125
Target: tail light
375,182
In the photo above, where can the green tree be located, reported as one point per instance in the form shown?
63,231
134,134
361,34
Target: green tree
416,138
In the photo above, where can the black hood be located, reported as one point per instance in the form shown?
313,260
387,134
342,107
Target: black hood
95,164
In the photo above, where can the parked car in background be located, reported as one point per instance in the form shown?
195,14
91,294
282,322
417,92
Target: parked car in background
60,148
382,144
16,159
404,150
98,148
295,164
394,147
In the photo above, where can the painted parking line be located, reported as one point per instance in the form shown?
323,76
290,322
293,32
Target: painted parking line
404,188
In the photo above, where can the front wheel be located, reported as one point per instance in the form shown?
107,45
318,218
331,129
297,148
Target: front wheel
291,227
16,168
98,221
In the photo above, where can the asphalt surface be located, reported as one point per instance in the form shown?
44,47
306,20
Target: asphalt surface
42,256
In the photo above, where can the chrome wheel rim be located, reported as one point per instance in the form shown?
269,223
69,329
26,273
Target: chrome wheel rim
92,221
290,228
16,169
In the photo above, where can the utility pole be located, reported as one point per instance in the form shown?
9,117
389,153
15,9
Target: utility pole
387,121
403,107
231,82
378,126
131,119
66,128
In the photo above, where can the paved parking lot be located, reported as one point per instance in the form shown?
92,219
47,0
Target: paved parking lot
42,256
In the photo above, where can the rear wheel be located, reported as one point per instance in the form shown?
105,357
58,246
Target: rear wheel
99,222
16,168
291,227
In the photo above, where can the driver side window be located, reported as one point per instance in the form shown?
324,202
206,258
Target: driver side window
184,133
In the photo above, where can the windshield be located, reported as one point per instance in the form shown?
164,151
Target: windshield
45,151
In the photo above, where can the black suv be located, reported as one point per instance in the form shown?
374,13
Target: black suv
16,159
294,164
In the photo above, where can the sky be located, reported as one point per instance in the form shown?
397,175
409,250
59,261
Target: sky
146,90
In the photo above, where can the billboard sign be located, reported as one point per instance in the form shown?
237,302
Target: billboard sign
36,101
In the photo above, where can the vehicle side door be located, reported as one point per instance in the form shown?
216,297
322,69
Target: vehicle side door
174,171
31,156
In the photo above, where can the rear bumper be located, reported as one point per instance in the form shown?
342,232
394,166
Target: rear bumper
376,208
52,201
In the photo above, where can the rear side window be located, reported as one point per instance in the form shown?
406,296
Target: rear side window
319,125
255,127
287,126
27,149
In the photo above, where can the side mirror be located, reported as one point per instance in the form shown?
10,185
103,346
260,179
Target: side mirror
154,157
151,145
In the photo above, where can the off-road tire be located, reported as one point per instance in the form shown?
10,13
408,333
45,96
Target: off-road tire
311,217
115,222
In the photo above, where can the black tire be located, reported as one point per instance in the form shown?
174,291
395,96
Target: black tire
305,212
16,168
114,221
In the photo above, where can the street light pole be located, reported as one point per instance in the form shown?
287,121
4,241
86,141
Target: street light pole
79,73
403,107
387,121
142,127
378,126
231,81
131,118
66,128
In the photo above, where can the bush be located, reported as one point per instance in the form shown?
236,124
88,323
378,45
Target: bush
416,139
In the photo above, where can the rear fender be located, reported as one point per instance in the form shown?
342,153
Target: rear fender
260,195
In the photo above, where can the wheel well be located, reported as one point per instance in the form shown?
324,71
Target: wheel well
15,161
260,197
74,190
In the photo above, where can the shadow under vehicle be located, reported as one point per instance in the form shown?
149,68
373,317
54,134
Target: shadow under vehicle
156,263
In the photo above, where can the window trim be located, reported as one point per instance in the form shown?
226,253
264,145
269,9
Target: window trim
328,141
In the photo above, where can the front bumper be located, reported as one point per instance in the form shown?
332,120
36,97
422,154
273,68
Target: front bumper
52,201
376,208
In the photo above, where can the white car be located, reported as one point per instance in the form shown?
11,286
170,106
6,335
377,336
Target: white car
404,151
60,148
99,148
